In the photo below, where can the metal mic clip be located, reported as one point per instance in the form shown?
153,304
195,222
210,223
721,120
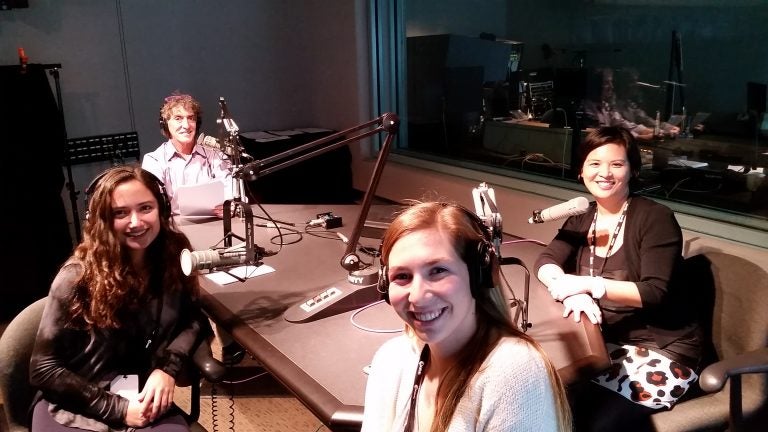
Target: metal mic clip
536,217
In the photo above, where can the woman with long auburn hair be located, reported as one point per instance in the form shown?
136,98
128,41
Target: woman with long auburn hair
462,364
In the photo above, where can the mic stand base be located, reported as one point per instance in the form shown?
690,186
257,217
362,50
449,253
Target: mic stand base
358,290
253,253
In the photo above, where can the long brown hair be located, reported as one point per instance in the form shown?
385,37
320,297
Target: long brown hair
110,285
493,314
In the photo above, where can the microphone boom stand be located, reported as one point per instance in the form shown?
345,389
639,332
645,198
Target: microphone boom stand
230,146
486,209
359,288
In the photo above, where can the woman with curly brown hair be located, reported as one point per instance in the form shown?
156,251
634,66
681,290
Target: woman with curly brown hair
119,307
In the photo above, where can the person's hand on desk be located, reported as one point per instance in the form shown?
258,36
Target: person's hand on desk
219,210
650,137
670,131
582,303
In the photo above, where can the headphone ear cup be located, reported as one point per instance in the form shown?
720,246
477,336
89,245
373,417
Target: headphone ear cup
90,189
479,265
383,286
487,255
165,205
164,127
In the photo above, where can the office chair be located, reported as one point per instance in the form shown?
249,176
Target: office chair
17,342
736,386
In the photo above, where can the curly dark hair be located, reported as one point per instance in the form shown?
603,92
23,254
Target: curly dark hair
110,286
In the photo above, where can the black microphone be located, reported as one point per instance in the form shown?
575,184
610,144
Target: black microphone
208,259
572,207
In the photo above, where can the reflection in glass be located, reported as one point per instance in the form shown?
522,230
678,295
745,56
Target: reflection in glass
514,84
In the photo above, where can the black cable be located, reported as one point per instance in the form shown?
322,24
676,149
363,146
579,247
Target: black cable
370,251
321,233
282,238
124,55
215,408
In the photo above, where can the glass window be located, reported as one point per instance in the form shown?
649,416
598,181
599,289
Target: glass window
512,86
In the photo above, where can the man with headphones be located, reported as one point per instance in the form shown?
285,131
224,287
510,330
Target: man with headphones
180,160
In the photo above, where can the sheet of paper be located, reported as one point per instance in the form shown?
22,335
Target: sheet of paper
126,386
263,136
288,132
312,130
200,199
257,135
245,272
688,163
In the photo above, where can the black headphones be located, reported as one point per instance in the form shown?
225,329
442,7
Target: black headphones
478,255
164,204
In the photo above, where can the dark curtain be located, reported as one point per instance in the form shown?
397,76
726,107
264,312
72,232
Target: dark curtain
36,239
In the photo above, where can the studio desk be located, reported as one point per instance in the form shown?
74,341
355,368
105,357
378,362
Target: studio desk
322,361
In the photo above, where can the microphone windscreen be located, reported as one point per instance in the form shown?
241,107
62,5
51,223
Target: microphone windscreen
571,207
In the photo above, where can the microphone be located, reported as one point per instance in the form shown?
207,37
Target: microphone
207,259
572,207
213,143
210,142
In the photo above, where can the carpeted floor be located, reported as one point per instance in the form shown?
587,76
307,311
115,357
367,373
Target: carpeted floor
249,400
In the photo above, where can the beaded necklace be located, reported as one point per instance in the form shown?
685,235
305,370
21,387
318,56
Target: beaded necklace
593,240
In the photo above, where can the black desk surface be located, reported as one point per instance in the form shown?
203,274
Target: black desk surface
322,361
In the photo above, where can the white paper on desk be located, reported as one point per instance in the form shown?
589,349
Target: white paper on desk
245,272
257,135
200,199
312,130
288,132
263,136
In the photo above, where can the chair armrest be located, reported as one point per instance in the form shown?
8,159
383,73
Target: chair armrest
210,368
714,376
